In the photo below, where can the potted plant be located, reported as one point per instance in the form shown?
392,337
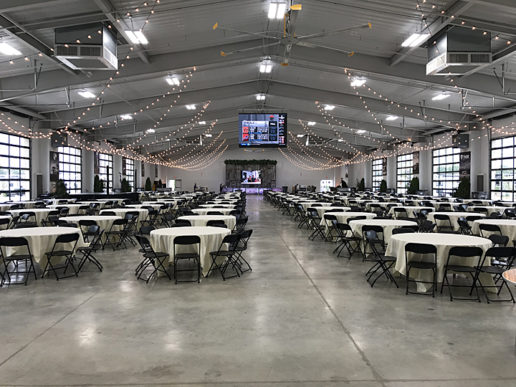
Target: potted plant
148,184
125,186
98,185
61,189
361,185
463,189
413,186
383,186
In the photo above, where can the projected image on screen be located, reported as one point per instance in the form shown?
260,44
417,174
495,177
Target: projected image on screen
251,177
263,129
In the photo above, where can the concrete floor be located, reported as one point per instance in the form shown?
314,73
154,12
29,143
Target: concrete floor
301,318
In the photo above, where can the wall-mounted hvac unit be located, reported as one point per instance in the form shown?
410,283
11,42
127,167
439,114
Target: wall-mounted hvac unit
86,47
457,51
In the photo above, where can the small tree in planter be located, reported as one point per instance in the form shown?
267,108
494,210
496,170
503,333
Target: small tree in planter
413,186
125,186
343,183
383,186
464,188
98,185
361,185
148,184
61,189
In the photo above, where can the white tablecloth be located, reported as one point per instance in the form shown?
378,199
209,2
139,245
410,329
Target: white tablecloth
204,211
142,212
322,210
104,222
387,224
64,201
306,205
443,243
507,227
87,203
454,216
138,206
217,205
410,210
343,216
490,209
162,240
74,208
8,217
201,220
40,213
42,239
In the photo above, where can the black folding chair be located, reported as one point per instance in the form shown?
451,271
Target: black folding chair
115,234
457,262
241,246
426,250
378,231
345,240
447,226
183,241
228,253
488,229
60,251
464,227
382,263
16,259
501,259
151,259
95,244
216,223
318,229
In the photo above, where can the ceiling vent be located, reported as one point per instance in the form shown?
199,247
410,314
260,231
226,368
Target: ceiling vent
458,51
86,47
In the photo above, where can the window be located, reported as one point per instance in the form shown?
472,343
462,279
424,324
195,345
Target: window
446,174
503,174
404,172
378,166
14,168
129,171
106,170
70,162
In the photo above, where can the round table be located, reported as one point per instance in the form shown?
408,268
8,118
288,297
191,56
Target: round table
410,210
138,206
343,216
40,213
507,227
386,224
42,239
217,205
307,205
490,209
204,211
162,240
104,222
8,217
443,243
201,220
142,212
322,210
74,208
454,216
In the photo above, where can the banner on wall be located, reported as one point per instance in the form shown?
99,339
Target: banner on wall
96,169
415,163
465,164
384,166
124,166
143,169
54,166
156,170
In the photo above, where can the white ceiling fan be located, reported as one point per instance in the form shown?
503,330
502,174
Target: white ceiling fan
289,39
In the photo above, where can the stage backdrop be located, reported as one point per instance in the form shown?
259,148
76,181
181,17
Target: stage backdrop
234,170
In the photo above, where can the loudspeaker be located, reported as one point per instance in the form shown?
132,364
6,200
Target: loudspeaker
480,183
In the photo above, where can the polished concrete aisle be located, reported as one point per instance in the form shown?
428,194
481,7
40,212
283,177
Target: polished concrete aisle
301,318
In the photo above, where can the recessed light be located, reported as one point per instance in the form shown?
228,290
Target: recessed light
191,107
415,40
202,122
7,49
137,37
260,97
311,123
358,82
300,135
361,131
86,94
392,118
126,117
329,107
150,131
440,97
277,10
340,140
172,80
208,135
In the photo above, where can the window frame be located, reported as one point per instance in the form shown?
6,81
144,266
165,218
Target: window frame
455,170
403,189
106,158
130,172
5,153
503,166
377,166
64,151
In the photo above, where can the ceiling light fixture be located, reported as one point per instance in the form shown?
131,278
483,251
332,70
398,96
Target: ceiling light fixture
202,122
392,118
340,140
311,123
208,135
136,37
415,40
126,117
172,80
150,131
86,94
266,67
191,107
300,135
358,82
329,107
277,10
260,97
361,131
7,49
440,97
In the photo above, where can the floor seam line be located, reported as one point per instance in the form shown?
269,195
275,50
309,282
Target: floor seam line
45,331
346,331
